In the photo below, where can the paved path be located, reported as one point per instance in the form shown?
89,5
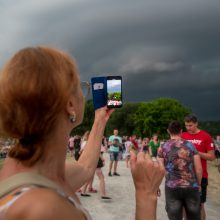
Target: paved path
122,205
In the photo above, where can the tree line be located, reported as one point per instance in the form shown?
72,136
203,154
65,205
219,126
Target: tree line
144,118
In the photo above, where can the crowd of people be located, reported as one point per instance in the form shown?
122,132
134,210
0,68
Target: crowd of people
118,148
184,157
41,103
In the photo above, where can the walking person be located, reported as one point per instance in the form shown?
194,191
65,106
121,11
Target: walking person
99,173
204,145
83,189
101,162
115,142
183,177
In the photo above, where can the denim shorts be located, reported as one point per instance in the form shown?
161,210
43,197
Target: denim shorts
177,198
114,156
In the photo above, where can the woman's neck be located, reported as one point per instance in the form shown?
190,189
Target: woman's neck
51,164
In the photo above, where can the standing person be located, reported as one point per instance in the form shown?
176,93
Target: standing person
183,177
115,142
204,145
40,88
217,149
128,146
154,145
114,157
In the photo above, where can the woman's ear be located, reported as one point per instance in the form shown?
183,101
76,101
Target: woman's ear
70,107
71,110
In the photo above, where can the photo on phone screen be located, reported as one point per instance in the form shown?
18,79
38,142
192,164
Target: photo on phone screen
114,91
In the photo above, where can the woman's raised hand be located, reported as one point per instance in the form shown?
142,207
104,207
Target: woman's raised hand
147,174
103,114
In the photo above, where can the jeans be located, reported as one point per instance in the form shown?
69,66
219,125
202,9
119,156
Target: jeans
177,198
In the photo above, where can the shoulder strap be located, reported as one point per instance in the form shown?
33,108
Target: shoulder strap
26,178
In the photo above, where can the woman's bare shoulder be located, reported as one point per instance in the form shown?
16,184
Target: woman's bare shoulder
40,204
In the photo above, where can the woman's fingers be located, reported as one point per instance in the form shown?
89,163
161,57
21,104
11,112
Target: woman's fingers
133,158
141,157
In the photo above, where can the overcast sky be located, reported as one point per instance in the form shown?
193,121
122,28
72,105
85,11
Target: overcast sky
162,48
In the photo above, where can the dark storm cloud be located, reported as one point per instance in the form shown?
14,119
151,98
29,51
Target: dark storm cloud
161,48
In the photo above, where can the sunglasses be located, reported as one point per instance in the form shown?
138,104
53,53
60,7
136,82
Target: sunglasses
85,87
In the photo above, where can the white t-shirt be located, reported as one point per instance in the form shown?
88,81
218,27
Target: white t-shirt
128,145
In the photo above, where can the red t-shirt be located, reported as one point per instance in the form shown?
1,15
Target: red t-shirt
203,143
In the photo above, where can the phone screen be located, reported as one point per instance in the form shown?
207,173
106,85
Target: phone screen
114,91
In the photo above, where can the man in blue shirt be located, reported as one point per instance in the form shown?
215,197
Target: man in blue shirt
115,142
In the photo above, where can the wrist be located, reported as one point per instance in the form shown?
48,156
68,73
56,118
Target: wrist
146,204
99,122
147,196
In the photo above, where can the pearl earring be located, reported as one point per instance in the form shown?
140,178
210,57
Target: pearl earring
72,118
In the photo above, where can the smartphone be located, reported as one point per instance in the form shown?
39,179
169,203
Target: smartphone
114,91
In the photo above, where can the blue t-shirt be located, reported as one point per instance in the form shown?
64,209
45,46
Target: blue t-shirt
179,163
112,147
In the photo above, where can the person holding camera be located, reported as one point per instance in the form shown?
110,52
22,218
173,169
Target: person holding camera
41,102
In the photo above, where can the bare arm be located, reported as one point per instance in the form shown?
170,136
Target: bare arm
207,156
198,167
147,176
82,170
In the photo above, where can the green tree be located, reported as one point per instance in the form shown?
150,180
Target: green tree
122,119
212,127
154,117
114,96
143,118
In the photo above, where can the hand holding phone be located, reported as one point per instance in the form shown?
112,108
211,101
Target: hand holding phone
107,91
